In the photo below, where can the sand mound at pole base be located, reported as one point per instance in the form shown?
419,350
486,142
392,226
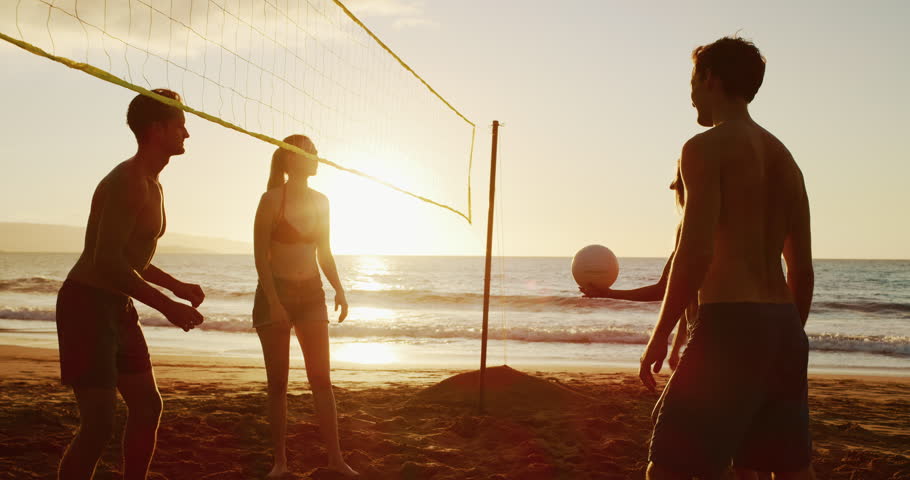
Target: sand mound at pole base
507,390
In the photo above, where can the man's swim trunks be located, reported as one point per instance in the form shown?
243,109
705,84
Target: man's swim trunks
740,392
99,335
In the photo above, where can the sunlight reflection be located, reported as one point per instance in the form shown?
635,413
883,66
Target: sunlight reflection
373,314
366,353
370,265
366,284
367,268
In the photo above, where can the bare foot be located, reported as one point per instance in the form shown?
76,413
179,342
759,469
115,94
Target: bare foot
344,469
278,471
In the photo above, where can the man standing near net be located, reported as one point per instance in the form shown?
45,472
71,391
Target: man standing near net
102,348
740,390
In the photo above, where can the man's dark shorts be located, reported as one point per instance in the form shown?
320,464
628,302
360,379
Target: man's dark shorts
99,335
740,392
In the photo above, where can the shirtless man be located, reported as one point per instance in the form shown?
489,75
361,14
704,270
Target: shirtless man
740,390
102,348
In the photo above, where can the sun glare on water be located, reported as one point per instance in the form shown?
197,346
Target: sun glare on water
365,353
367,269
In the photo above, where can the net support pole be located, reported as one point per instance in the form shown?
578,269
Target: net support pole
487,267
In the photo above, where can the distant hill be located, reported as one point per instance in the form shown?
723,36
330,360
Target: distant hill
36,237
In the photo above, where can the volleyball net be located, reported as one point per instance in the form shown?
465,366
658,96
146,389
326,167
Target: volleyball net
269,69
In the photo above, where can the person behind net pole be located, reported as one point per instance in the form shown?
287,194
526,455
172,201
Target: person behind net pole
291,243
102,347
655,291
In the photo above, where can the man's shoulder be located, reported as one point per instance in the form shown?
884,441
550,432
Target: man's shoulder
702,149
127,181
711,138
728,141
272,194
125,171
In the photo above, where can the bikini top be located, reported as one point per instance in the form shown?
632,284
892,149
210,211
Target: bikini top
284,232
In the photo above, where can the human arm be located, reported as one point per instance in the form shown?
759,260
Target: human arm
125,198
188,291
682,335
798,256
262,239
327,260
649,293
701,177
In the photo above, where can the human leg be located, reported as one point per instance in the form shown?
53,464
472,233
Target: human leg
96,425
275,342
143,401
313,337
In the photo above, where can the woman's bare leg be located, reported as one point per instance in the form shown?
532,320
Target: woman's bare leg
276,350
314,341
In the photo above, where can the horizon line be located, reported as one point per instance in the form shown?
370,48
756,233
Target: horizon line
454,255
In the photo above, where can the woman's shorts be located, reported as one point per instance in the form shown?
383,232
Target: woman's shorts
304,300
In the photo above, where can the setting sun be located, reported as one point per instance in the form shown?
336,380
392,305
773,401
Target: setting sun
367,218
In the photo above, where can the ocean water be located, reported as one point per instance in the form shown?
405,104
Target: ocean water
426,311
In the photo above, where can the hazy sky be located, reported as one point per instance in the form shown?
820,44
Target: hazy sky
595,101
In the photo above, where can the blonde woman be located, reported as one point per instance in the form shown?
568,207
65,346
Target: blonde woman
291,243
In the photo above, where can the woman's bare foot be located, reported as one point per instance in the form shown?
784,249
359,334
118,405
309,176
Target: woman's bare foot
344,469
279,470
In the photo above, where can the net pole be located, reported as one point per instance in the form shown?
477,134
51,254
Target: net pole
488,266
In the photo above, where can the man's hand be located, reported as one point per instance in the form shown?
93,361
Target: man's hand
655,353
341,301
591,291
183,316
190,292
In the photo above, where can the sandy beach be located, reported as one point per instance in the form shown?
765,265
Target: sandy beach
417,424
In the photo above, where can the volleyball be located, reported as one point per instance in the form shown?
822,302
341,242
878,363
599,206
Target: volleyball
595,266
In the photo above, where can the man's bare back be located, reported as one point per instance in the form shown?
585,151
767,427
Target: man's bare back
761,198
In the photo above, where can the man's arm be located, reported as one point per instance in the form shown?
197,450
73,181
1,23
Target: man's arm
187,291
798,255
124,200
701,177
157,276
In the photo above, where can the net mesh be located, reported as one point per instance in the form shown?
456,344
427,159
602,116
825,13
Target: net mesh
269,68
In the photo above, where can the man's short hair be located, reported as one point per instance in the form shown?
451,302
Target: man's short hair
145,111
737,62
